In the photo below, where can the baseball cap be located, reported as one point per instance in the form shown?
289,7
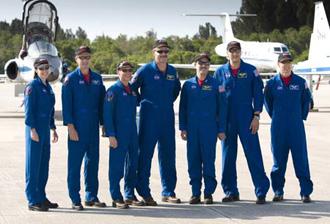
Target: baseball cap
233,44
284,57
82,49
160,43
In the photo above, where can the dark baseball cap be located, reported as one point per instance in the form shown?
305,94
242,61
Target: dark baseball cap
201,56
124,64
83,49
160,43
233,44
40,61
284,57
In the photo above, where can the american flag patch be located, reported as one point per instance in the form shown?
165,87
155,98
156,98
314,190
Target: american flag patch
222,89
256,73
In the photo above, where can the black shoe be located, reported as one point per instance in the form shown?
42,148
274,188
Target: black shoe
119,204
77,206
134,201
278,198
149,201
208,199
306,199
95,203
171,199
261,200
49,204
230,198
38,207
194,200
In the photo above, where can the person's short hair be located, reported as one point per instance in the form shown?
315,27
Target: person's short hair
40,61
124,64
82,49
233,44
201,56
160,43
284,57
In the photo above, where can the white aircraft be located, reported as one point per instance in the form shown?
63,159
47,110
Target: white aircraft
263,55
40,23
318,62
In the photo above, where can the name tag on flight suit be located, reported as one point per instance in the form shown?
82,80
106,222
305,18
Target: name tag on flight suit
206,88
242,75
170,77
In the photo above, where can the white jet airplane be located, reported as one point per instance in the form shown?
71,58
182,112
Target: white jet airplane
318,62
263,55
40,22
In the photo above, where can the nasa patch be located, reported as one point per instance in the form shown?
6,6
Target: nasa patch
110,96
156,77
28,90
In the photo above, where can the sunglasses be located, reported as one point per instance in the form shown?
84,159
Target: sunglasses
126,70
84,57
234,50
203,63
162,51
42,68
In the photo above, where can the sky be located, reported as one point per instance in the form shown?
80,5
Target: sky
129,17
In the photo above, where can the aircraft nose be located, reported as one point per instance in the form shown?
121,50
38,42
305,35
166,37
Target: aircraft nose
54,74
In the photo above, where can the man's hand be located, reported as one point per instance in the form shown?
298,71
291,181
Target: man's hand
184,135
113,142
254,126
55,136
73,134
221,136
34,135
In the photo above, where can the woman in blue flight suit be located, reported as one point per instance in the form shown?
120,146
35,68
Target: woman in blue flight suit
120,127
39,104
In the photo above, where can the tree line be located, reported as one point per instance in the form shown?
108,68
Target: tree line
283,21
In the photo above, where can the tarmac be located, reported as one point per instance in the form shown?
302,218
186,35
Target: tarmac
13,204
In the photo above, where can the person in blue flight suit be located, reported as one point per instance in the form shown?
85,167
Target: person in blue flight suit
158,85
120,127
245,98
202,118
82,106
287,101
39,101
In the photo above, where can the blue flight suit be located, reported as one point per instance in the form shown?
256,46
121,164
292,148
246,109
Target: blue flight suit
244,97
39,114
202,115
82,106
119,115
288,106
158,91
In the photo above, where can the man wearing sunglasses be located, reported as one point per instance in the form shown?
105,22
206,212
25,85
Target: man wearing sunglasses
243,87
82,105
159,86
202,119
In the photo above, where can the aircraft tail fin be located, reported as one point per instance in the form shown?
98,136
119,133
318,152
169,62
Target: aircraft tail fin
226,30
320,37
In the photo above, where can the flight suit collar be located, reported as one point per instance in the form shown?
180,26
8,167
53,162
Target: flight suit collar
154,66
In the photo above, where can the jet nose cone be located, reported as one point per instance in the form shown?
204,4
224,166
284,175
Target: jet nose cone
53,74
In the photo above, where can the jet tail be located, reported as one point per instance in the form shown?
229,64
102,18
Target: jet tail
226,30
320,37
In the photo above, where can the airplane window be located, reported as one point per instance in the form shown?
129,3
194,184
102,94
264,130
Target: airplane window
277,49
42,48
284,49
